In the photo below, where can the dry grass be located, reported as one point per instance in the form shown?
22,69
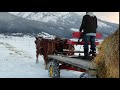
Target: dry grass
107,59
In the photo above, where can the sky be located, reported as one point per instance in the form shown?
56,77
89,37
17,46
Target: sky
107,16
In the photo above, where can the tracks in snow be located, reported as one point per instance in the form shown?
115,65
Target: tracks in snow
15,51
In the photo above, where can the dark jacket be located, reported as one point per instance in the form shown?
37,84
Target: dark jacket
89,24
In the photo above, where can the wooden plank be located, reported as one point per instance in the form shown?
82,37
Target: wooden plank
79,43
66,50
87,65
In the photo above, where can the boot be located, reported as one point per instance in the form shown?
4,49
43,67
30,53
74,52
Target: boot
90,53
94,53
86,56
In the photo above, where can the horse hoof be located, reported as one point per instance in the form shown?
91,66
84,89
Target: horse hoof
46,68
36,62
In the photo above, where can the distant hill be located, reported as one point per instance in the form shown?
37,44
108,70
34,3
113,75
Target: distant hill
54,23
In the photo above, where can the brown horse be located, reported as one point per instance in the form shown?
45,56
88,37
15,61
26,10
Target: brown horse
61,45
47,47
44,47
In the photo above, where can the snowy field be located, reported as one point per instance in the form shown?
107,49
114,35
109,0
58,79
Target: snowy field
18,57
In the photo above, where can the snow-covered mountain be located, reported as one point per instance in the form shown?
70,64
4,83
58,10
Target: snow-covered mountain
61,24
61,19
43,16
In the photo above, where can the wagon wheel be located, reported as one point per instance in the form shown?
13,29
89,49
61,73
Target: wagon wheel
53,69
85,75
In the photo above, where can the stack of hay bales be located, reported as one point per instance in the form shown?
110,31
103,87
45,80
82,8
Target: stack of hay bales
107,59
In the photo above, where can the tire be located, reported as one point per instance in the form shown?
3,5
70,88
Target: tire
53,69
85,75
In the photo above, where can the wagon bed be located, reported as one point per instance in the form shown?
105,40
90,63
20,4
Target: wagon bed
77,62
58,62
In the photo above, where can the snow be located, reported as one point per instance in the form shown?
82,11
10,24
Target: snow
52,17
15,13
101,24
18,57
41,16
61,28
46,35
74,29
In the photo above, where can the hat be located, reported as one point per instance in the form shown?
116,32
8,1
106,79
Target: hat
90,14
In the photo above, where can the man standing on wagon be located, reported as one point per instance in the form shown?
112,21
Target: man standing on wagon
89,26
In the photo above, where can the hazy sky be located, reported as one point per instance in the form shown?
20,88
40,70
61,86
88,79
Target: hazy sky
108,16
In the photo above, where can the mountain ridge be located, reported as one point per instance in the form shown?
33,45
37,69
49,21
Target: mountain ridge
60,27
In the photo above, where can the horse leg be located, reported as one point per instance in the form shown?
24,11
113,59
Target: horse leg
37,54
45,59
45,63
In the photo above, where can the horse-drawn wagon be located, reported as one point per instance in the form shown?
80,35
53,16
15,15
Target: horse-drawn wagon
72,62
59,54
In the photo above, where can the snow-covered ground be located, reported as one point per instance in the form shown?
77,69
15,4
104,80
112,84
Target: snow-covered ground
18,57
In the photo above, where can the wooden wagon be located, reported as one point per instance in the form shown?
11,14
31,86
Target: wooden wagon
58,62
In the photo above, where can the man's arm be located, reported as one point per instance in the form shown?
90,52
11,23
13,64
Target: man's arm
96,23
83,24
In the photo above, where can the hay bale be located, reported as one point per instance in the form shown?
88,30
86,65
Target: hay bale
107,59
